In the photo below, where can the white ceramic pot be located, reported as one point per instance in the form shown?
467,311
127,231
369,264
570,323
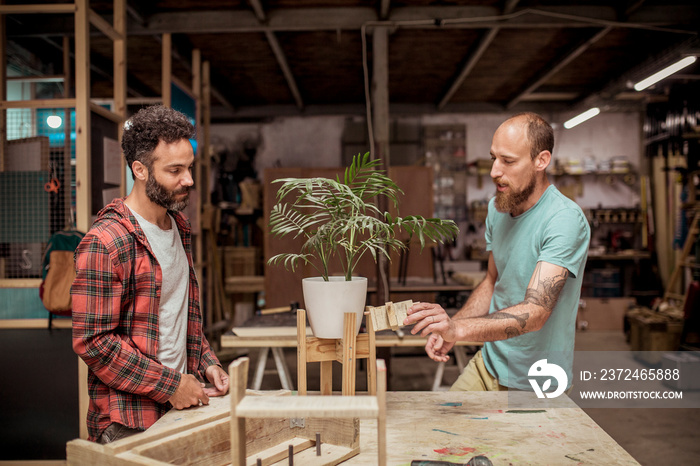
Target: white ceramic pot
326,303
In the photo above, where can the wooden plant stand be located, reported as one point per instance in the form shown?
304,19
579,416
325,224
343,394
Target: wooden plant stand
346,351
300,422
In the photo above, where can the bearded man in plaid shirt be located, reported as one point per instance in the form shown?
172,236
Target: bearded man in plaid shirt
137,323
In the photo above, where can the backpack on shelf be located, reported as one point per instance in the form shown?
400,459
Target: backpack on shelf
58,272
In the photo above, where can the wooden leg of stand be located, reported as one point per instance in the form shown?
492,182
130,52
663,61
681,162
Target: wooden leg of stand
238,375
326,377
372,360
349,360
381,417
301,352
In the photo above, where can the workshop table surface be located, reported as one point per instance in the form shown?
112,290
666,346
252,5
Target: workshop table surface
455,426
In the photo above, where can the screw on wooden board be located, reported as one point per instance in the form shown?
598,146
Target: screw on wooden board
291,455
318,444
258,462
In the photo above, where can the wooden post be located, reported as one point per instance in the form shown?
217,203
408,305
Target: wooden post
349,351
238,376
372,359
166,69
380,120
67,167
301,351
83,208
83,205
3,97
119,46
326,377
380,367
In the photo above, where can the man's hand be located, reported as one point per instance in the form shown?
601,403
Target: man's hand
219,378
190,392
431,318
437,348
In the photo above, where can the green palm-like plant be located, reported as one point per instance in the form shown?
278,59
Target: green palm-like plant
341,218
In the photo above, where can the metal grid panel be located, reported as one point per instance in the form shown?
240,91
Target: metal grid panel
37,179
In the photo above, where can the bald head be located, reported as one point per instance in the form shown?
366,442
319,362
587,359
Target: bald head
539,133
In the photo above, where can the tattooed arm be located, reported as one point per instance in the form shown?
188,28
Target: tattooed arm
528,316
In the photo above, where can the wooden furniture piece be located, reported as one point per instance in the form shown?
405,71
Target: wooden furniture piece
309,420
276,338
346,351
446,426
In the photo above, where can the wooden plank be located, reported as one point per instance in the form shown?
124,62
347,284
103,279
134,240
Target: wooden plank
38,8
100,110
166,70
309,406
301,352
321,349
205,444
349,360
34,323
238,377
326,378
372,359
38,103
104,27
120,85
83,208
20,282
381,417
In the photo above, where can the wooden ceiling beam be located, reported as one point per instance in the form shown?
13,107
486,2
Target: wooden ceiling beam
557,66
279,54
474,57
325,19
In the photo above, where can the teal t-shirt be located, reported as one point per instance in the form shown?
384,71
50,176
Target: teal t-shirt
556,231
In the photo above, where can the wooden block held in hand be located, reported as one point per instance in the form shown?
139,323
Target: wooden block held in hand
389,316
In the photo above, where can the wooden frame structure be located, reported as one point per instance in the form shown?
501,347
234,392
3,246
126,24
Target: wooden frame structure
248,427
333,420
346,351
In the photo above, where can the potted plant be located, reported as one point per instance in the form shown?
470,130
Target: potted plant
340,221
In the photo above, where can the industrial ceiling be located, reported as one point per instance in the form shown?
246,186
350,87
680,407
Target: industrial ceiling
303,57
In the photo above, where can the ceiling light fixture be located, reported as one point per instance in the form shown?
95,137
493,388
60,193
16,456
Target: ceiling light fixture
668,71
578,119
54,121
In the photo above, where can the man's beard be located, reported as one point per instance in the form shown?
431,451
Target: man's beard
508,202
158,194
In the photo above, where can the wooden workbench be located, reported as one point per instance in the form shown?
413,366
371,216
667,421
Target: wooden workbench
447,426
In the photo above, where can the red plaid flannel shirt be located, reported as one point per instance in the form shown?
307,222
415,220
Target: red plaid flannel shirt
115,322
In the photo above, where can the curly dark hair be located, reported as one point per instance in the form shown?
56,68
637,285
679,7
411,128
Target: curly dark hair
150,125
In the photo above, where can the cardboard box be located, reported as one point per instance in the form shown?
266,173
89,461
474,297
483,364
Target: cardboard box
603,313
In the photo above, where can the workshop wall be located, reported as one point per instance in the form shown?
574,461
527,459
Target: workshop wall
316,142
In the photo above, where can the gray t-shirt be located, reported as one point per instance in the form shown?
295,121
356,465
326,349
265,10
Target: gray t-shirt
172,321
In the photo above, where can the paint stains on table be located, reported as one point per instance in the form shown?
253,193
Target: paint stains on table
455,451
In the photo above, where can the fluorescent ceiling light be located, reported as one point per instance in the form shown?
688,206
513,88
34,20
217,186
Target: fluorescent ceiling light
577,120
668,71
